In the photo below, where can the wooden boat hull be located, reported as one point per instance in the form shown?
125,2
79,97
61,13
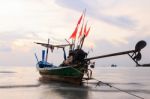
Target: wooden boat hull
73,80
68,74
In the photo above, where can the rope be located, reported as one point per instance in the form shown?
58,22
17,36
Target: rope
100,82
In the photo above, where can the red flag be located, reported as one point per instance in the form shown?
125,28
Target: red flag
79,21
80,31
86,34
73,36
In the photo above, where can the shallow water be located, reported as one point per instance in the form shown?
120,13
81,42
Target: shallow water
23,83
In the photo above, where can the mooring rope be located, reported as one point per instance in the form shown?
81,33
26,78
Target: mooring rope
110,85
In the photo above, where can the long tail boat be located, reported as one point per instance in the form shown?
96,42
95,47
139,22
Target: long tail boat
76,67
68,72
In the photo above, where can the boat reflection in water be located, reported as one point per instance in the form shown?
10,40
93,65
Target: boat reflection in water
62,90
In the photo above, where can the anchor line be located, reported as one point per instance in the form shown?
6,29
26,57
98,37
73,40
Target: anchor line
100,82
111,86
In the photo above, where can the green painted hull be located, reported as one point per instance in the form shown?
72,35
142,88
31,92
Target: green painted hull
66,74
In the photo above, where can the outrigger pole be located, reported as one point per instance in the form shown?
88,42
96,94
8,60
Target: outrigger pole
134,54
109,55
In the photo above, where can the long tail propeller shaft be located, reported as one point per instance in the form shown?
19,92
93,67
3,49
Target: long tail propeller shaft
134,54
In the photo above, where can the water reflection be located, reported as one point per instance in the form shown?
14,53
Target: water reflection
72,94
7,72
64,90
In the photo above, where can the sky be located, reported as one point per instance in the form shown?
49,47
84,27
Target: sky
116,25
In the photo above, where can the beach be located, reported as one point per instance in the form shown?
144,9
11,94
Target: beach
22,82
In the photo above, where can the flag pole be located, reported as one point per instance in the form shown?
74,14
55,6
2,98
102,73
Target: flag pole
47,51
79,21
79,37
82,41
74,34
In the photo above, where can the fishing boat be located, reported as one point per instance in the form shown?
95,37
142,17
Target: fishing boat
68,72
76,66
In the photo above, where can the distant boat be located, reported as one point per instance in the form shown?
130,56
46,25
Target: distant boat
113,65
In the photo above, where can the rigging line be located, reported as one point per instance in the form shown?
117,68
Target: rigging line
98,84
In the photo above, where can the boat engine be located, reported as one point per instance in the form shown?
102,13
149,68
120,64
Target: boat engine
92,64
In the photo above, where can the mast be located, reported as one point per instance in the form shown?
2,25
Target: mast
47,51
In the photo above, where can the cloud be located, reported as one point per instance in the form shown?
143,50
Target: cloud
95,10
75,4
21,40
90,5
4,47
119,21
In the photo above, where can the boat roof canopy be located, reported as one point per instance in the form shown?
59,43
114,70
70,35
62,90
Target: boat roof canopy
52,46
